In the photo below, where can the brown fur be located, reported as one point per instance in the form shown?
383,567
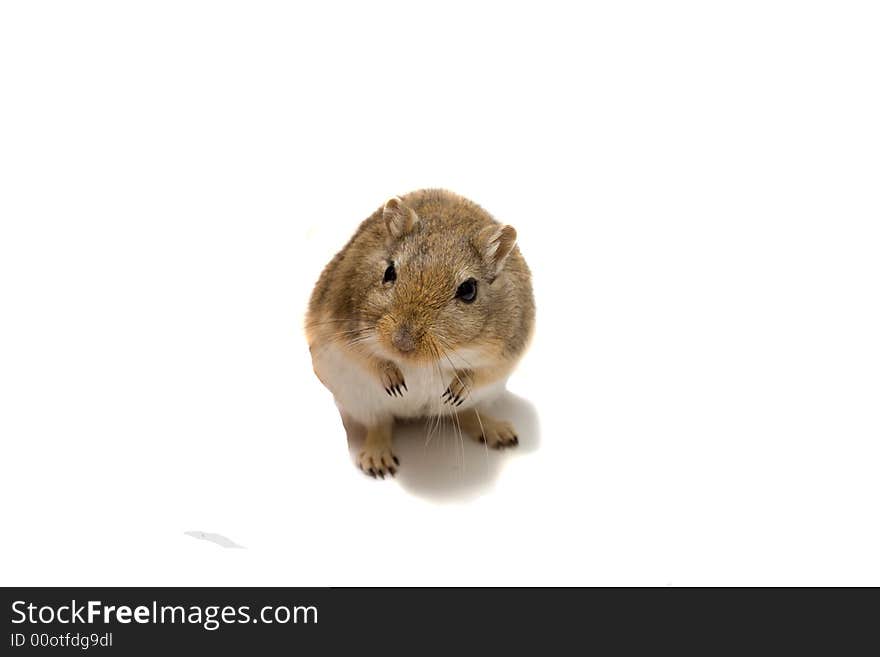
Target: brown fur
437,240
444,247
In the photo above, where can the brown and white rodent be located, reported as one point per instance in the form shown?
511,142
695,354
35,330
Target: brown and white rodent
425,311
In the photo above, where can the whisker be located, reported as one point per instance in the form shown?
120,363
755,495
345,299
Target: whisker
455,372
453,413
337,320
483,433
436,418
466,361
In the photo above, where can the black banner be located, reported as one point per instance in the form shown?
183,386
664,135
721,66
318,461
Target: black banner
134,621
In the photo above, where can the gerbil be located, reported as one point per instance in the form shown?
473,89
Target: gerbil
425,311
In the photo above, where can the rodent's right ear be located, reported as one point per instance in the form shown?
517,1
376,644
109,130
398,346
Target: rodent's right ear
399,218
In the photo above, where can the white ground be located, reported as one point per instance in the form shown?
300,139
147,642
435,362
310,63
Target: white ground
696,190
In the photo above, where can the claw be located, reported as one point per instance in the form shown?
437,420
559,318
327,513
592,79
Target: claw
396,462
392,470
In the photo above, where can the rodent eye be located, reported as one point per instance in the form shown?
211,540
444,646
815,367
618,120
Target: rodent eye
390,274
467,291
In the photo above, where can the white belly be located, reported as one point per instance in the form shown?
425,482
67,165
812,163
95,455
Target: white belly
360,394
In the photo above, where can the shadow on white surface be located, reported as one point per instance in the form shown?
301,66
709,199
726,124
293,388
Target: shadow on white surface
444,466
219,539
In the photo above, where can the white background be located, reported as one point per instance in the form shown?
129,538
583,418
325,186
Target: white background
695,187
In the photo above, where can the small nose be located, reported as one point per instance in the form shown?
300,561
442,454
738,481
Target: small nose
403,339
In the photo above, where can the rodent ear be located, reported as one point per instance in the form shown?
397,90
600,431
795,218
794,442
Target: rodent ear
496,243
399,218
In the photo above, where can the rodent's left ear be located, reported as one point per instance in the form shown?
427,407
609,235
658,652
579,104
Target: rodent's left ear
399,218
496,242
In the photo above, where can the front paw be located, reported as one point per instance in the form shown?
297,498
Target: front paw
458,390
392,380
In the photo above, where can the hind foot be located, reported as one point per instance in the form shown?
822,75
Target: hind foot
486,429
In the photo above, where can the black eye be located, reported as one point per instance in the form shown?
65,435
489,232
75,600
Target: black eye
467,291
390,274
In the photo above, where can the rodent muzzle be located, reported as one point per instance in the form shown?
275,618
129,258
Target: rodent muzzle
404,340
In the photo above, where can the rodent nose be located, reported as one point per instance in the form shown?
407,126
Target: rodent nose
403,339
